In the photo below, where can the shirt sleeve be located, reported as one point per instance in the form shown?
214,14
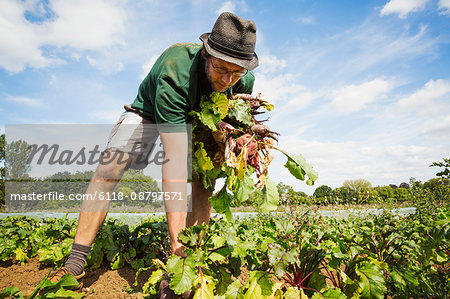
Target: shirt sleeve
171,107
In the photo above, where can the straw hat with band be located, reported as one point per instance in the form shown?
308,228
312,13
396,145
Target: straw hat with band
232,39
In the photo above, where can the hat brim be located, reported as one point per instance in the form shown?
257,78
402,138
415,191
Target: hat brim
247,64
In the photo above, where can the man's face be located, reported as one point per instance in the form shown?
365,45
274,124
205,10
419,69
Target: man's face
221,74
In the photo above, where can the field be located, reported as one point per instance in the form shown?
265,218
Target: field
287,255
99,283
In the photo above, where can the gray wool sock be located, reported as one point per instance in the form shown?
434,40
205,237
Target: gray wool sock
77,258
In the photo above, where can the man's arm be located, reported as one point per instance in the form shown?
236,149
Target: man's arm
174,181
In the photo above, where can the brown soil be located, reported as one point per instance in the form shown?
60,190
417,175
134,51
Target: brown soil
98,283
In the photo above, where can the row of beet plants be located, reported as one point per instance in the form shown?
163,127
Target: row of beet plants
303,256
269,256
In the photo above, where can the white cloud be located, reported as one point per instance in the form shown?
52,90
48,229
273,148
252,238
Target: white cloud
86,24
21,40
53,79
407,152
303,99
444,5
376,46
27,101
389,46
227,6
80,25
270,64
352,98
378,162
438,128
427,96
403,7
75,56
329,159
307,20
108,66
283,89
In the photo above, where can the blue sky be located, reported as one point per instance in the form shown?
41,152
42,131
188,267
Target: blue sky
361,88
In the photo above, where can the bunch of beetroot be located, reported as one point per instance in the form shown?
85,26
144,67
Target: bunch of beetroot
255,137
227,138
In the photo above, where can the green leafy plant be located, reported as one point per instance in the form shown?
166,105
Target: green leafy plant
228,142
445,173
118,245
287,255
23,237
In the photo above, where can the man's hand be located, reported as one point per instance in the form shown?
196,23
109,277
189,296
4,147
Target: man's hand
221,135
227,128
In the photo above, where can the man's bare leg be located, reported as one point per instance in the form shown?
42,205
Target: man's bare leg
93,212
201,206
103,182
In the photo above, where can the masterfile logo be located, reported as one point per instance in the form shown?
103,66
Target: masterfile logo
52,166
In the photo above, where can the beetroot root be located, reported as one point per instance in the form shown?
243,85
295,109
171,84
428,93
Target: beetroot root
263,131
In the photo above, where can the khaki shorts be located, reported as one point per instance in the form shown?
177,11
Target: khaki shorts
135,135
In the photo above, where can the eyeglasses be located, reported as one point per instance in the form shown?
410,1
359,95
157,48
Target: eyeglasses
223,71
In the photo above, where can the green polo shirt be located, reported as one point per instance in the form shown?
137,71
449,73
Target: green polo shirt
176,83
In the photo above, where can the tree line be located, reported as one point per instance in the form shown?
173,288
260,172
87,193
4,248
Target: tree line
361,191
